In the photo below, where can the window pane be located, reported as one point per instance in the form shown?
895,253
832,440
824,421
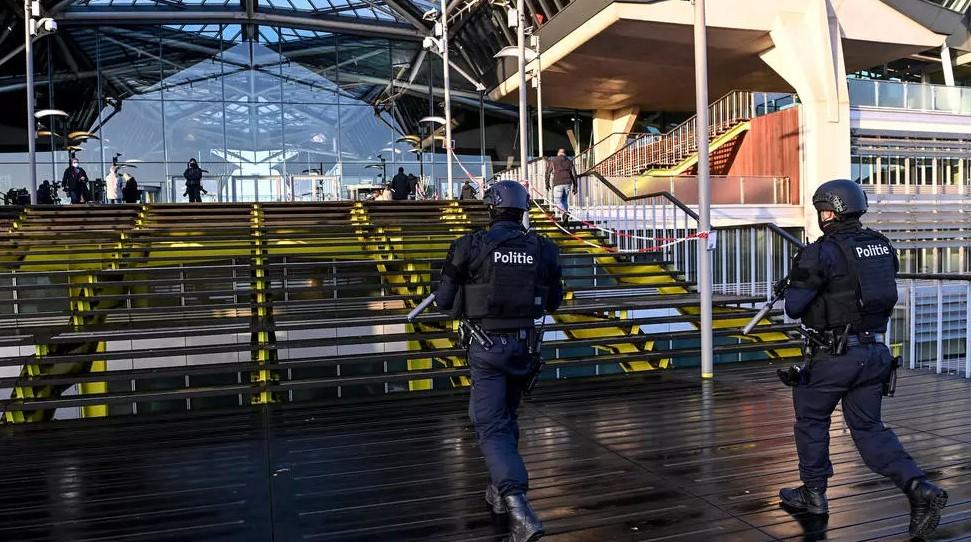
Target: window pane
135,131
193,130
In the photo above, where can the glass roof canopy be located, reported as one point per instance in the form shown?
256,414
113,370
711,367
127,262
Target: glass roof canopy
403,11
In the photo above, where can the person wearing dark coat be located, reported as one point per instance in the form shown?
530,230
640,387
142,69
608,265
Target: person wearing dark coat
468,192
45,193
193,182
75,182
130,192
400,187
561,179
412,186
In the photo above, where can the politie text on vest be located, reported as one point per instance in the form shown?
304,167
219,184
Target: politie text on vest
512,257
872,250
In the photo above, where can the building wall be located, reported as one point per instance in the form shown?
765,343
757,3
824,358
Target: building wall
771,147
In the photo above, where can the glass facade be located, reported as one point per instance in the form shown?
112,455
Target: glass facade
921,173
270,118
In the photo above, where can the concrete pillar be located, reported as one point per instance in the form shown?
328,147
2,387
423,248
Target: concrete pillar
610,127
948,66
808,53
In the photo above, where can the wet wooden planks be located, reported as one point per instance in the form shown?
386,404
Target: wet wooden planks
660,456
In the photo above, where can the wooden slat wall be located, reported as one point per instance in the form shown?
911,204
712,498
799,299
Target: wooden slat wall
771,147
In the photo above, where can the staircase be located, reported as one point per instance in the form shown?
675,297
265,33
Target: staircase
147,309
674,152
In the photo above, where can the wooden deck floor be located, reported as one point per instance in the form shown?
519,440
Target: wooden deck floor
652,457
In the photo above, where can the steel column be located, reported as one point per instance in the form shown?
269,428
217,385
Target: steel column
31,122
704,189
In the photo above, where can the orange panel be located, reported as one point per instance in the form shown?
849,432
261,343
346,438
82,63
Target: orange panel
771,148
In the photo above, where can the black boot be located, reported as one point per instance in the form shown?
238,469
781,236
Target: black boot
806,499
524,525
926,502
494,501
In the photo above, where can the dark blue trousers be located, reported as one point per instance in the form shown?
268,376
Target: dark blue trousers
497,386
855,379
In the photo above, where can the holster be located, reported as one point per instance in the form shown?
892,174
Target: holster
889,386
534,343
795,375
471,331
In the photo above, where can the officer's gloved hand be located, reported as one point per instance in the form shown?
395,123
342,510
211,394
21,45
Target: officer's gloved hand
780,286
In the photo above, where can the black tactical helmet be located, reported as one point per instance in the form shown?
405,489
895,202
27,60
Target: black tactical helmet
842,196
507,195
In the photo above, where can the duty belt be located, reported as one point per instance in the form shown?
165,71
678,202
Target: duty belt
865,338
521,334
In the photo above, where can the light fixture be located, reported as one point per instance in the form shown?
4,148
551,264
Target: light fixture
50,113
79,134
412,139
512,52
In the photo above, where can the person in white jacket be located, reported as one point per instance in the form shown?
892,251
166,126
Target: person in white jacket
112,182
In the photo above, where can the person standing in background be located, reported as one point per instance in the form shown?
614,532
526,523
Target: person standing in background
193,182
45,193
130,192
400,186
562,179
111,185
468,191
75,182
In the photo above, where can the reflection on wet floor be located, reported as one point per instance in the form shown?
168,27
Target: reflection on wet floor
659,456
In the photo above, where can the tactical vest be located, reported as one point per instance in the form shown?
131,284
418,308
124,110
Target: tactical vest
504,290
865,297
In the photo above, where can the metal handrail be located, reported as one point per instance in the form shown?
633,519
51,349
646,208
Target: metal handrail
584,161
673,146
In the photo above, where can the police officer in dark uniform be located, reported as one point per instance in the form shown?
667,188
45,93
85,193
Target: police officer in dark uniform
193,181
843,288
502,280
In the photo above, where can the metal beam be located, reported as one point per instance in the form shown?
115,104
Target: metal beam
59,7
402,10
478,86
68,56
416,65
167,17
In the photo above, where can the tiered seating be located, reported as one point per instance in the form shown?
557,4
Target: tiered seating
171,307
8,216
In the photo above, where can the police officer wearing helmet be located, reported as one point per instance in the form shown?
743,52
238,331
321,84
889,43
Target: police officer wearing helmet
843,288
502,280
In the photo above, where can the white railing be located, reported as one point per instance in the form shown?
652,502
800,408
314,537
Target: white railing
671,148
910,96
915,190
586,160
959,6
931,324
535,168
747,259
